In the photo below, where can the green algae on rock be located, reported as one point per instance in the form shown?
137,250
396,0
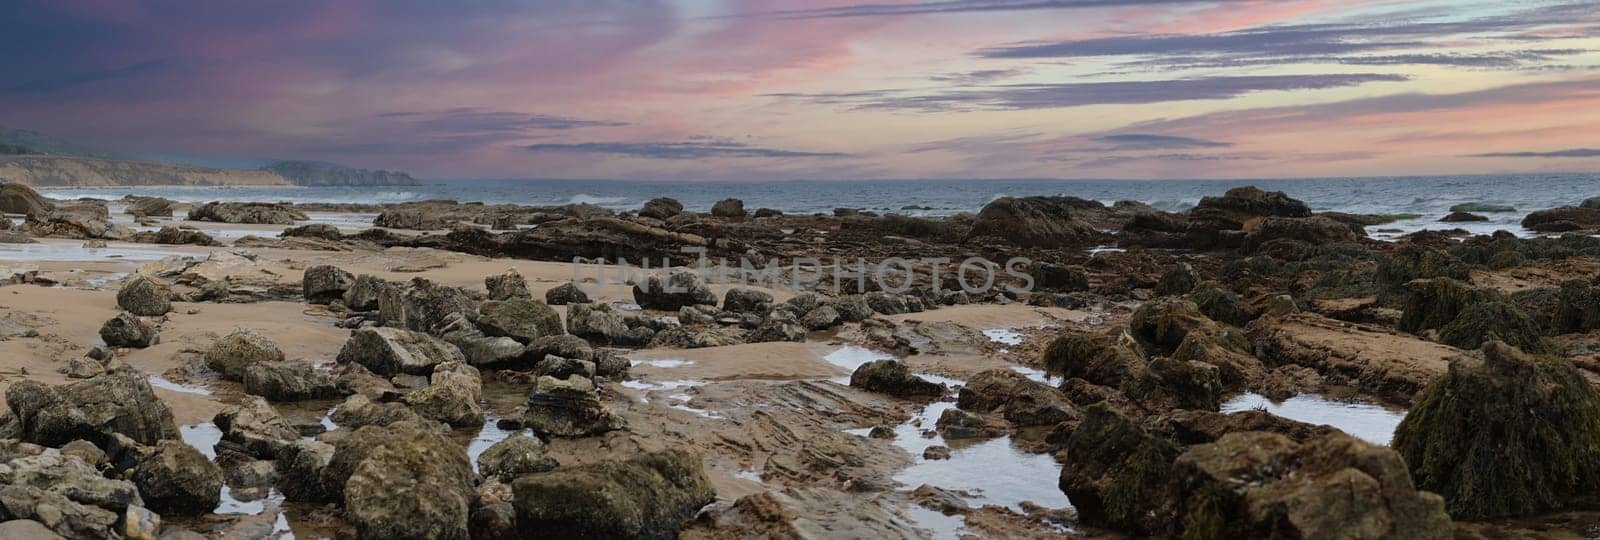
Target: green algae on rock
1504,434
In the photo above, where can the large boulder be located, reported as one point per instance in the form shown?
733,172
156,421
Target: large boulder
289,380
1467,316
324,283
568,407
1316,230
565,294
507,286
729,208
255,426
599,323
145,296
742,300
452,396
176,479
422,305
1222,222
1162,324
892,377
81,225
363,293
661,208
323,231
513,457
117,402
402,481
389,351
647,496
128,330
678,289
1120,476
358,410
522,319
1504,434
20,199
1098,359
1563,219
1045,222
1021,400
239,350
247,212
1265,485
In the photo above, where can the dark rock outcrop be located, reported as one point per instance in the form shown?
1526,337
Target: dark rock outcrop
145,296
892,377
176,479
239,350
1045,222
661,208
252,213
389,351
120,402
678,289
644,497
324,283
128,330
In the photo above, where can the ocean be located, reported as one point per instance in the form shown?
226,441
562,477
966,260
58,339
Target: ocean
1428,196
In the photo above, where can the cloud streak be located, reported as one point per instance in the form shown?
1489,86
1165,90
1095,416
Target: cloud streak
676,150
1567,153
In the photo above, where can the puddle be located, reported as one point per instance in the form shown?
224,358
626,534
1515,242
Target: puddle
164,384
75,253
1004,336
1037,375
993,471
488,436
1367,421
204,437
942,527
753,476
666,364
851,357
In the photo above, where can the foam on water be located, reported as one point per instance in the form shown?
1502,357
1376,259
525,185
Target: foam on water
1367,421
164,384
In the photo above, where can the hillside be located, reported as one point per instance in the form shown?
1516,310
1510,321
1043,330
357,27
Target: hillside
38,159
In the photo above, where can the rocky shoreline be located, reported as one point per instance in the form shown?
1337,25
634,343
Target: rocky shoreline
256,370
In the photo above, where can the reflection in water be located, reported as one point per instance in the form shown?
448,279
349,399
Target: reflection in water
1003,336
851,357
1367,421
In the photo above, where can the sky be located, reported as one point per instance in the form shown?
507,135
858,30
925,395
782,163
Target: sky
835,89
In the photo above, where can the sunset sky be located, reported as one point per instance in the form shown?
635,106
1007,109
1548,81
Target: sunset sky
819,89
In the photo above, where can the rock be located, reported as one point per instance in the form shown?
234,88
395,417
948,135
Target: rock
452,396
403,482
513,457
1376,360
363,293
1040,222
728,208
1458,217
313,230
1055,277
936,452
253,424
84,221
1221,304
564,294
20,199
145,296
176,479
1335,486
387,351
1162,324
72,478
300,466
679,289
291,380
662,208
422,305
1563,219
357,411
892,377
126,330
174,236
599,323
1119,476
892,304
507,286
852,308
1094,358
1178,281
1166,383
1504,434
1591,202
822,318
244,212
1017,398
149,207
644,497
777,328
742,300
1483,207
1467,316
1316,230
959,424
521,319
58,513
496,521
235,352
118,402
1222,222
565,346
568,408
27,529
561,368
325,283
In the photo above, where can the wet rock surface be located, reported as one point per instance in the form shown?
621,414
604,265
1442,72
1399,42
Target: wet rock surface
644,497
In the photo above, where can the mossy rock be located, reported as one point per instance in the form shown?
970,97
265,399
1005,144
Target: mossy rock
1119,476
1577,308
1098,359
1222,304
1161,325
1467,316
1504,434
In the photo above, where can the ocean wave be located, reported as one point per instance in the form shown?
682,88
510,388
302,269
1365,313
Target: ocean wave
585,198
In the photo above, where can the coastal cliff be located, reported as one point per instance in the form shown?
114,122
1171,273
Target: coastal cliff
80,171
